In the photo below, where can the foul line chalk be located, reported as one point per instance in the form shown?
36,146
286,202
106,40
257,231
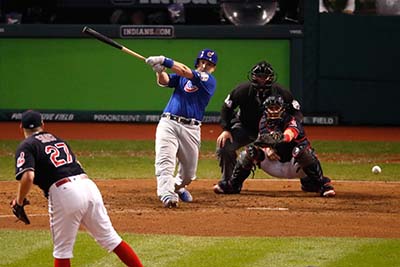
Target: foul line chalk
268,208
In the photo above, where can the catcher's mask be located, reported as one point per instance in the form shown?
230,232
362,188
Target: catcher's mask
274,106
207,54
262,75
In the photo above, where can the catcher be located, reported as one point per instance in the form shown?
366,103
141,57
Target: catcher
74,199
282,150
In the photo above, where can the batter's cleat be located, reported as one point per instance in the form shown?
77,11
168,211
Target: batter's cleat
170,203
185,195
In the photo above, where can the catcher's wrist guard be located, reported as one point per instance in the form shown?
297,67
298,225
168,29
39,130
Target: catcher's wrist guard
19,210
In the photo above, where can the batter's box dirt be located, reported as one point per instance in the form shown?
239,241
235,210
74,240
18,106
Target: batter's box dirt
265,208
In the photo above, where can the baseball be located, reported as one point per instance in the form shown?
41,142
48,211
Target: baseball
376,169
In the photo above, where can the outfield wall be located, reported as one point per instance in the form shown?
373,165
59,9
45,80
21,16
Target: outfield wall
84,74
70,76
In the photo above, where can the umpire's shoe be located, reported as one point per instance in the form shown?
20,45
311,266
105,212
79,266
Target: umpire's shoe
185,195
225,187
218,190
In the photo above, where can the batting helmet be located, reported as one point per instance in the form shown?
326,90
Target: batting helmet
274,106
262,75
207,54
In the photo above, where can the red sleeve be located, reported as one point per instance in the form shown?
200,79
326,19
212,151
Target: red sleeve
290,134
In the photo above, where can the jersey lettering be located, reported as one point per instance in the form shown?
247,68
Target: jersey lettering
45,138
190,88
54,152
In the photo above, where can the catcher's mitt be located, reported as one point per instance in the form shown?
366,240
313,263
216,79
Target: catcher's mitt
19,210
269,139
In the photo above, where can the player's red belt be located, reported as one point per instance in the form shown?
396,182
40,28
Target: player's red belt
70,179
180,119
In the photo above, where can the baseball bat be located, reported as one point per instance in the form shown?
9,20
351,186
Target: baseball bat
111,42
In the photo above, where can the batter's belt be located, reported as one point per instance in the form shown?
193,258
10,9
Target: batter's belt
180,119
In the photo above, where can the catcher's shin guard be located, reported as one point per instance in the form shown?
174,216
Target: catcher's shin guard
314,181
244,166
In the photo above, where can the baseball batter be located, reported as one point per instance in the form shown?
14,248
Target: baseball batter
73,198
178,131
282,150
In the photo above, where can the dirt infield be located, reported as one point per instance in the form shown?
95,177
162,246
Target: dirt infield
265,207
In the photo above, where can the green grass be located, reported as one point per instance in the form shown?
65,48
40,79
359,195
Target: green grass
34,248
135,159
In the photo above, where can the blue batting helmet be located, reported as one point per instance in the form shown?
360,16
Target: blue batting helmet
207,54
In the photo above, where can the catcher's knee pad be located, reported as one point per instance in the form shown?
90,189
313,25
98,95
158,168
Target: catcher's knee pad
244,161
256,154
308,161
303,155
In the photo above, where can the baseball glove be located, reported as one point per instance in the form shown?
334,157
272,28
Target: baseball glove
269,140
19,210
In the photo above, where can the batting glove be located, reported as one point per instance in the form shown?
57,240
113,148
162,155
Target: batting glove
158,68
155,60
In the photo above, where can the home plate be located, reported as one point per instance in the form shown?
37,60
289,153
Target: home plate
267,208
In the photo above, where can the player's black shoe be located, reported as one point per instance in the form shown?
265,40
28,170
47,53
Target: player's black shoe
225,187
327,189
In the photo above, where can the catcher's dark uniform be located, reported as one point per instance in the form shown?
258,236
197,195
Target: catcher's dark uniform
240,115
283,134
285,149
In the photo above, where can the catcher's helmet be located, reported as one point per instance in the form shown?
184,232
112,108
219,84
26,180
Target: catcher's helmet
274,106
262,75
207,54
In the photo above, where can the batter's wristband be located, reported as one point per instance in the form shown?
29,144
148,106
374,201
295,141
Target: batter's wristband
168,63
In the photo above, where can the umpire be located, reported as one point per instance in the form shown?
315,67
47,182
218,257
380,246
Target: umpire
242,111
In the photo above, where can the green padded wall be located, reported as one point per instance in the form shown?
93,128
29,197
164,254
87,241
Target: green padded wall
87,75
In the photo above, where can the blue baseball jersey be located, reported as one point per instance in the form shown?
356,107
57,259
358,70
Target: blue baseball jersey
191,96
